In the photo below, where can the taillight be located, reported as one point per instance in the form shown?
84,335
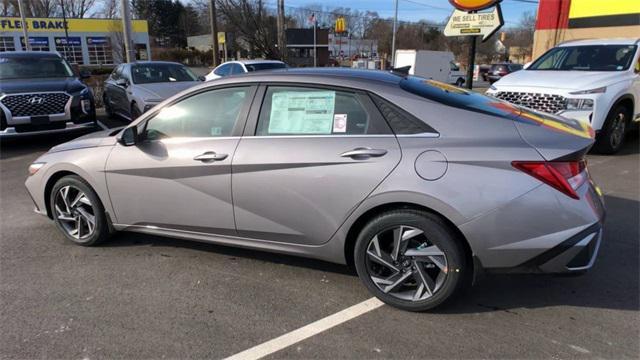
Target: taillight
565,176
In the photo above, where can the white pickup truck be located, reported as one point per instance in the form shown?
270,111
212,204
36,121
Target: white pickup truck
595,81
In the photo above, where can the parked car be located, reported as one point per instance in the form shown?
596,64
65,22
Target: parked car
594,81
483,72
134,88
417,183
243,66
498,71
39,91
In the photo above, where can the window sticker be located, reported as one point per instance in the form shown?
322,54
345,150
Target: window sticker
297,112
340,123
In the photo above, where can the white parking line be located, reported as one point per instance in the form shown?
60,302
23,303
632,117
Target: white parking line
103,126
307,331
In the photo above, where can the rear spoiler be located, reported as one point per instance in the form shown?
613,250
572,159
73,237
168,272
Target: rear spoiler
403,70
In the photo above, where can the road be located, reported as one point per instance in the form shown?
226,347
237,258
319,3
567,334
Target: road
149,297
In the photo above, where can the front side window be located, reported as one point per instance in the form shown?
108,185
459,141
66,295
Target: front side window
208,114
314,111
158,73
586,58
223,70
33,67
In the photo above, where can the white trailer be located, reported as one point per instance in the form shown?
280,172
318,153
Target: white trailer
436,65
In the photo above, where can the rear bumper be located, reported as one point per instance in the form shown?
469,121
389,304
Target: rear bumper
576,254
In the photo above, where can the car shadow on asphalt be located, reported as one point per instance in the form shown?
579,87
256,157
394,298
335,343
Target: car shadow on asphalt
613,283
30,144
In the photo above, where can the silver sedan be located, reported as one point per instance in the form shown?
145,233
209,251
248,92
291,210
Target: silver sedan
417,184
134,88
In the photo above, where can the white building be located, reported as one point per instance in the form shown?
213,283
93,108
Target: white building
346,47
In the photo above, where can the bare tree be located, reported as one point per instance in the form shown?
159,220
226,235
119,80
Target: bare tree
253,24
110,9
78,8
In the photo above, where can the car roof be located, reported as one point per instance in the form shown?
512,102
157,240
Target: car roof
258,61
611,41
30,54
152,62
333,75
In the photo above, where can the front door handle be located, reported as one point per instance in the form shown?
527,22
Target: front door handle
364,152
210,156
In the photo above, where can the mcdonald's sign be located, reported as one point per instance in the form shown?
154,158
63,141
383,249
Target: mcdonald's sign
341,25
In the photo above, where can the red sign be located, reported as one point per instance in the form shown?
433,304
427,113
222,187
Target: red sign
473,5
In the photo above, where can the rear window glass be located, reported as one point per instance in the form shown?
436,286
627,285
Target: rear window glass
264,66
469,100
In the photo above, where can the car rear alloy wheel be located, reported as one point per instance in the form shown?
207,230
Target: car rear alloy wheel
74,211
403,263
411,259
78,212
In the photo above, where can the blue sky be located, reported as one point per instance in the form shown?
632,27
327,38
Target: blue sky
414,10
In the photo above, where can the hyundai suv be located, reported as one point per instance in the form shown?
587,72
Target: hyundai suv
40,92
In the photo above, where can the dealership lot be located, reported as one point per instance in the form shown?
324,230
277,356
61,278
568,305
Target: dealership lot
142,296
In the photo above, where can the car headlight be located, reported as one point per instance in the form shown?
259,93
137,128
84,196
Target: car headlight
34,167
493,88
579,104
599,90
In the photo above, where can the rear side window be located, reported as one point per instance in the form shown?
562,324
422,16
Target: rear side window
401,122
223,70
316,111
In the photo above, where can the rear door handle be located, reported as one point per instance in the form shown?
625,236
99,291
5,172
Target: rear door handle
210,156
364,152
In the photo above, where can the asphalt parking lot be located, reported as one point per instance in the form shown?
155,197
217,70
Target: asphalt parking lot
147,297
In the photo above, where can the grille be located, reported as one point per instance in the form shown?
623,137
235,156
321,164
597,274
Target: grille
35,104
548,103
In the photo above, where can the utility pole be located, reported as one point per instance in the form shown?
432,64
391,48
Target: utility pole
472,60
393,37
66,31
126,31
282,46
213,22
25,33
315,47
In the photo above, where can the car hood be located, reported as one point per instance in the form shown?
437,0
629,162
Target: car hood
161,91
98,138
571,80
13,86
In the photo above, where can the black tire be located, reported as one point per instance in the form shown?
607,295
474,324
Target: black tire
611,138
101,231
437,231
135,112
459,82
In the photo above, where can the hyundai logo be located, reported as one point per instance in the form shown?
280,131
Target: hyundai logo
36,100
526,99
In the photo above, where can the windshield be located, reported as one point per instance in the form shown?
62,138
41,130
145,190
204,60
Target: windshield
264,66
157,73
586,58
29,68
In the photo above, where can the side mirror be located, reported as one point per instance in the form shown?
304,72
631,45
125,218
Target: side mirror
129,136
122,82
202,78
85,74
526,66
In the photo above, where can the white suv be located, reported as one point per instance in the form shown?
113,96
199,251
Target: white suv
595,81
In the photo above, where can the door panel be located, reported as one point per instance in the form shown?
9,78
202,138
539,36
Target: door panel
300,190
159,183
179,175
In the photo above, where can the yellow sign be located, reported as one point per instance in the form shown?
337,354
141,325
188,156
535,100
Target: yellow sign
222,37
472,5
588,8
13,24
341,25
